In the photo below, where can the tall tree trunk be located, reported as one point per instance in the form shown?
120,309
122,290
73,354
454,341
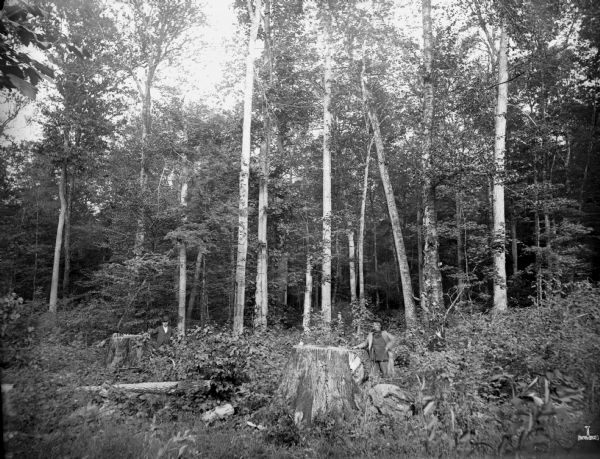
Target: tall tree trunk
242,246
499,231
307,295
195,287
204,315
460,249
407,292
432,298
361,233
513,244
59,237
420,247
352,264
262,258
282,276
67,232
327,124
261,295
375,260
37,238
146,95
181,315
338,270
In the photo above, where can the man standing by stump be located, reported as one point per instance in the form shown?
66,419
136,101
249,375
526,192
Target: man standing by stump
379,344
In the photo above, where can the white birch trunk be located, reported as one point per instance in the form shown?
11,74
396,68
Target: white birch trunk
181,314
242,246
407,292
327,124
499,236
307,295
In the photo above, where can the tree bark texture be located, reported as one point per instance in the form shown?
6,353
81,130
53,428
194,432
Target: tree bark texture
242,246
163,387
195,286
460,249
317,381
432,298
513,244
307,295
125,351
182,296
327,125
361,232
499,231
58,242
262,293
407,292
352,266
282,277
67,238
262,259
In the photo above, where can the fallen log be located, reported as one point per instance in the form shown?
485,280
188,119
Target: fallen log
317,381
125,350
166,387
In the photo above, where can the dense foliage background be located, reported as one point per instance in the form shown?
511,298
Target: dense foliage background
141,177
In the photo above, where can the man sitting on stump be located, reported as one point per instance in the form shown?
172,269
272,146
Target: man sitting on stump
379,344
163,333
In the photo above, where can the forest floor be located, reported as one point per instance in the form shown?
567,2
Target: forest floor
501,387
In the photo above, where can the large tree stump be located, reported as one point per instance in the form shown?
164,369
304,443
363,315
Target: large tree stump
318,381
125,351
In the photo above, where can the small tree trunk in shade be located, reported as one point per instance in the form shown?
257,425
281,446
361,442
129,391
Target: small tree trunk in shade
327,125
351,263
58,243
37,238
513,244
460,249
499,231
282,278
420,248
261,294
375,261
361,233
307,295
407,292
204,315
181,314
195,288
242,246
432,299
67,231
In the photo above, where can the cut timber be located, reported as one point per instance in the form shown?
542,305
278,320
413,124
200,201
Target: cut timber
156,387
318,381
124,350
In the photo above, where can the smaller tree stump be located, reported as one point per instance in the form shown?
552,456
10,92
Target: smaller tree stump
318,381
125,350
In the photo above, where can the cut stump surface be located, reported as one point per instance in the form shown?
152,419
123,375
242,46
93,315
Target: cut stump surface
318,381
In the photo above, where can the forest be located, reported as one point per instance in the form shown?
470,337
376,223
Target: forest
271,177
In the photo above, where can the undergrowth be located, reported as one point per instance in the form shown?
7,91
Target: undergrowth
522,382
